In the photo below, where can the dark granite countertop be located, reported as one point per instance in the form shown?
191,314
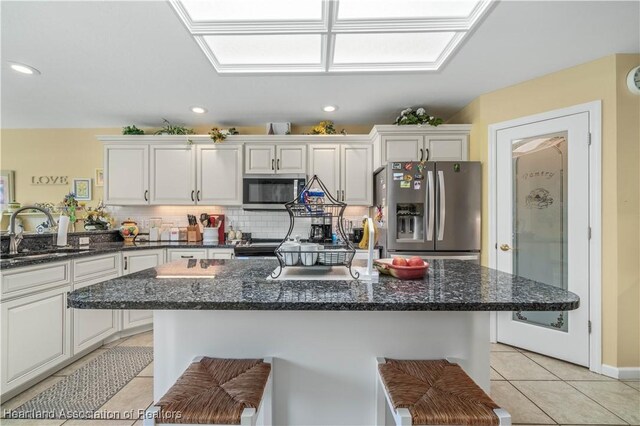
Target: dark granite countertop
98,249
450,285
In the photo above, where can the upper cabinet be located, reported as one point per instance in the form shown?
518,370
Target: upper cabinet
126,171
219,175
191,170
346,170
173,174
267,159
167,170
447,142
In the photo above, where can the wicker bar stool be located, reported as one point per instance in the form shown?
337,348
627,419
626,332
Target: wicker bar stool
217,391
433,392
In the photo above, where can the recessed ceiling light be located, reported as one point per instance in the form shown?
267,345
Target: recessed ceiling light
198,110
24,69
329,108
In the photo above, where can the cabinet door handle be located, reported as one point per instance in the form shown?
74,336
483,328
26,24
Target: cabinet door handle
198,195
427,159
187,257
421,154
278,166
343,195
146,193
192,196
273,162
126,263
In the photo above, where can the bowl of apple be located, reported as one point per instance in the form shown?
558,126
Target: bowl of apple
405,269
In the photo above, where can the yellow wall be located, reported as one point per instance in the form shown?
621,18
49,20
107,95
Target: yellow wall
603,79
76,153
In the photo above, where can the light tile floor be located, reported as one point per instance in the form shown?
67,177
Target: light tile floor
538,390
535,389
136,395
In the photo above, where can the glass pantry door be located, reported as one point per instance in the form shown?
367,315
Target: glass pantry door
542,229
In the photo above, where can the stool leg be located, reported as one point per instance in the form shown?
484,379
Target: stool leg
503,416
381,403
267,398
150,416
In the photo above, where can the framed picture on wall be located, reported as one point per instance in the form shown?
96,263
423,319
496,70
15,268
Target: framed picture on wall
82,189
99,177
7,187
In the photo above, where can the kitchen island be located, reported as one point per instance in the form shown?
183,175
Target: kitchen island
324,336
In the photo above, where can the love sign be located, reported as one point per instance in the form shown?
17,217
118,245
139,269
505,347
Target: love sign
49,180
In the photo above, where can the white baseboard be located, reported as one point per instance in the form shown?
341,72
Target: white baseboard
621,373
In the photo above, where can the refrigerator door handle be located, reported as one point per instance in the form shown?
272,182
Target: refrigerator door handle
432,206
442,204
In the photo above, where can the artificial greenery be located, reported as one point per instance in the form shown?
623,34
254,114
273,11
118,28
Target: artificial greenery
419,116
171,129
132,130
325,128
218,135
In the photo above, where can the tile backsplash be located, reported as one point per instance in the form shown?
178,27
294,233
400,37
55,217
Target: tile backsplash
261,224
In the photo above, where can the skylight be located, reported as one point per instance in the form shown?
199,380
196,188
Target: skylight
328,36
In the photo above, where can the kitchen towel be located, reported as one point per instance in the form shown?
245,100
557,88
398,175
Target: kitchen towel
63,226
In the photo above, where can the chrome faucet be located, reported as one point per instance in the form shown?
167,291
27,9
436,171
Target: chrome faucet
15,240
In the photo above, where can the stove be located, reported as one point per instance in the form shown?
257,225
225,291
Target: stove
257,248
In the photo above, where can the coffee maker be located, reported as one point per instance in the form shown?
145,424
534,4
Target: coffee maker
321,230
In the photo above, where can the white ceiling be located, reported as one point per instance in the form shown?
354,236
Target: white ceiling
107,64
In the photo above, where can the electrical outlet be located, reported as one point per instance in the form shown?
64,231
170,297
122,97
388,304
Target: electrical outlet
84,241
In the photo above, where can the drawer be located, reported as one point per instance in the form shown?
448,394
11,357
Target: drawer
177,254
221,254
21,281
95,267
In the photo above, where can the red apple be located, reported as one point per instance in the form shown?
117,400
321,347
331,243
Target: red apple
415,261
399,261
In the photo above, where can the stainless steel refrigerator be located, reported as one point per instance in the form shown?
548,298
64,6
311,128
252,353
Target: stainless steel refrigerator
431,209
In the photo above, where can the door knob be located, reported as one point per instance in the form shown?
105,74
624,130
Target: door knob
505,247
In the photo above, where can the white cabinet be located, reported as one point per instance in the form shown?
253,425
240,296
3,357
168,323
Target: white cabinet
291,158
447,142
219,175
356,174
21,281
260,159
182,254
173,174
135,261
221,253
324,162
345,169
126,174
446,147
91,326
35,335
274,159
138,260
403,148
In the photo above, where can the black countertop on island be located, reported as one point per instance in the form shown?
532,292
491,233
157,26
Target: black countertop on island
450,285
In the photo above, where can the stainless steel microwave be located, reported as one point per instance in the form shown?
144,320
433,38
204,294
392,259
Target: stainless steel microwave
270,192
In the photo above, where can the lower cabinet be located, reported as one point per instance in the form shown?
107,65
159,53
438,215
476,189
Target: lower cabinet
179,254
91,326
135,261
36,335
221,254
214,253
